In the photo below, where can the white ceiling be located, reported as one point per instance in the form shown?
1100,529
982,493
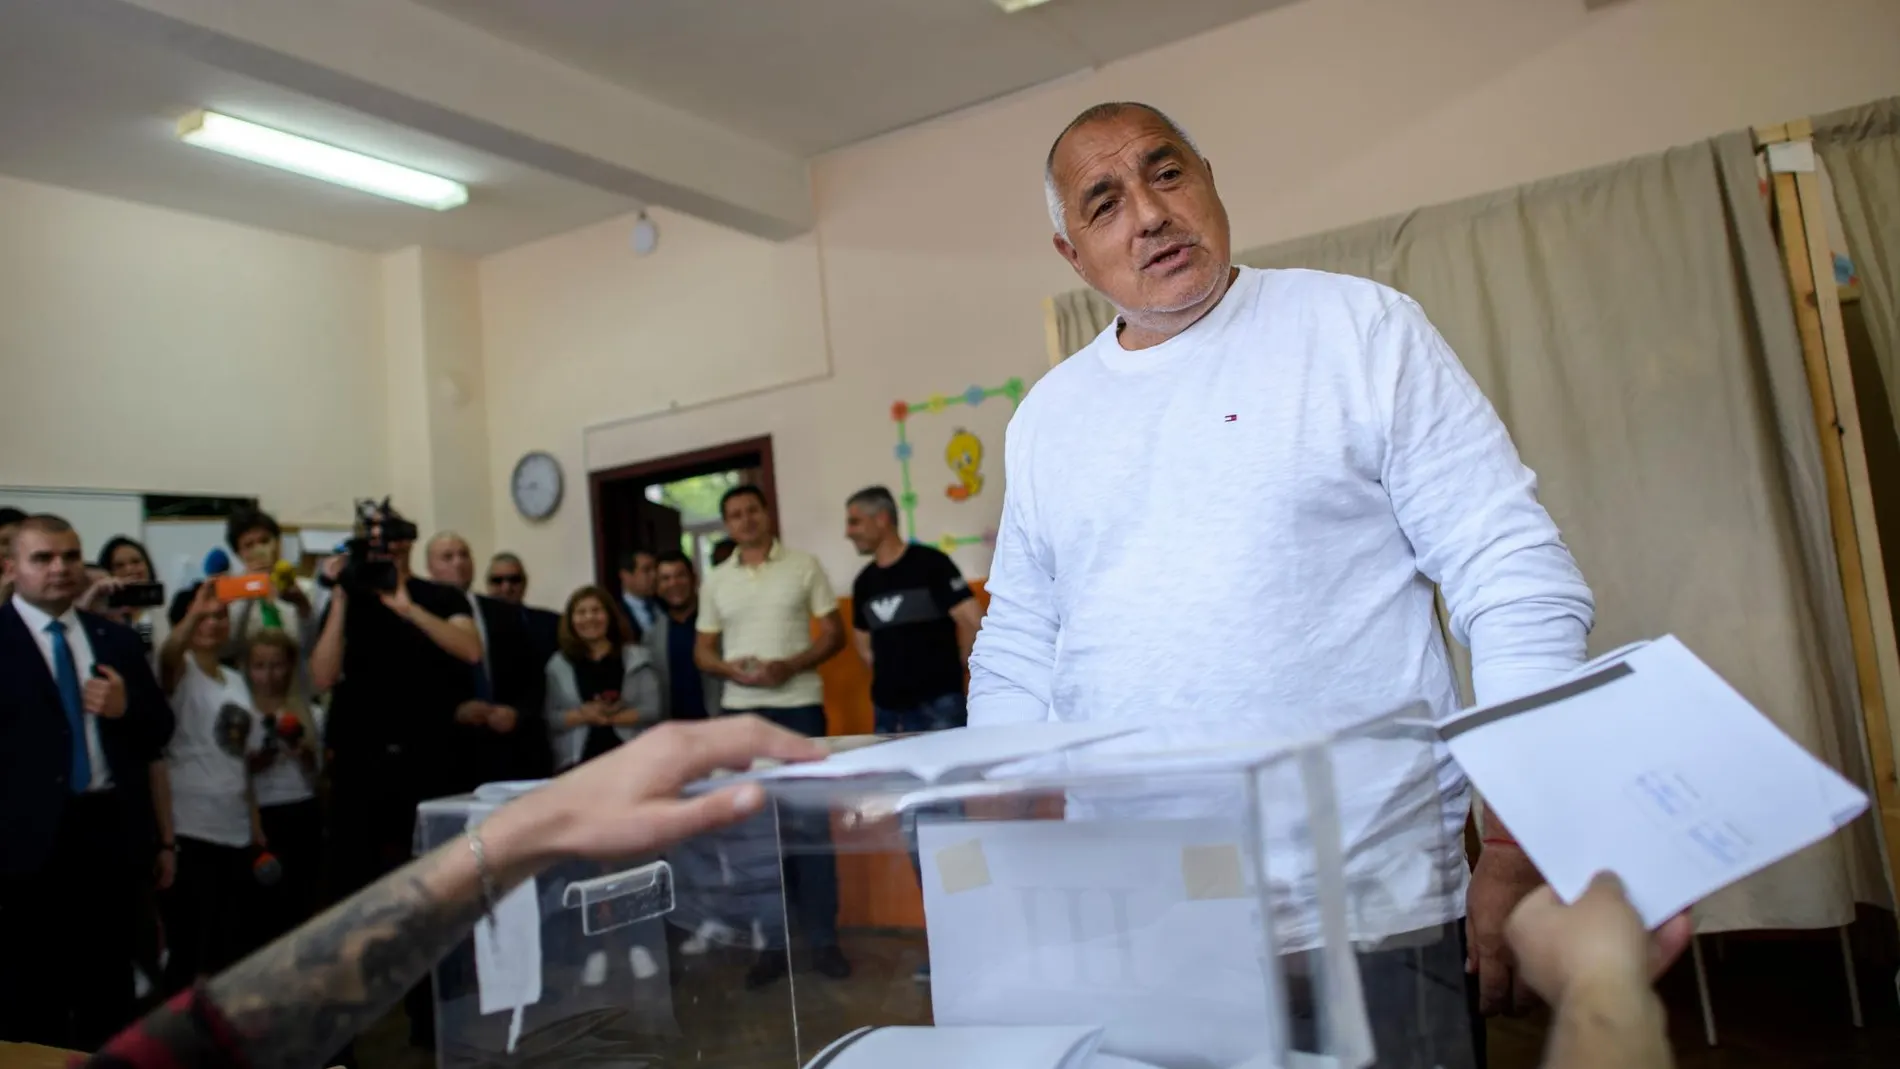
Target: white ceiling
814,75
87,110
556,113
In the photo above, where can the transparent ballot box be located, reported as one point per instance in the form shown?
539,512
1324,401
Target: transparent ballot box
1198,896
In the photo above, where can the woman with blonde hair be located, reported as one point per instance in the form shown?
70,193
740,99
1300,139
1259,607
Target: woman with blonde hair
602,686
284,765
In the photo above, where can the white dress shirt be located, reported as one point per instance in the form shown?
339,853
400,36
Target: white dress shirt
642,611
81,645
481,631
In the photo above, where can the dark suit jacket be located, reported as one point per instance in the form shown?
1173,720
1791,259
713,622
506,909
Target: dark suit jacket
36,744
544,631
515,672
710,686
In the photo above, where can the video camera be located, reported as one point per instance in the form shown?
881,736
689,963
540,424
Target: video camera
372,563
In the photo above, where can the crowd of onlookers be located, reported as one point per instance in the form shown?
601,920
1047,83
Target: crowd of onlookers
183,782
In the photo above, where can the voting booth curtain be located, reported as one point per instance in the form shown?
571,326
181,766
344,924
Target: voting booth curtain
1860,148
1633,327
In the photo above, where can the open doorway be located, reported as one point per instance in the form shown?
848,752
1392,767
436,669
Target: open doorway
672,502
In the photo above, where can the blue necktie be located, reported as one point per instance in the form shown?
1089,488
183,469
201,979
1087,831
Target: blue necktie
66,674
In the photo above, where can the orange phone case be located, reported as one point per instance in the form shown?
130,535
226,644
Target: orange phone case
248,587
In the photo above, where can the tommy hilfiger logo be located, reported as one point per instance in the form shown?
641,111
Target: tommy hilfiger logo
1232,417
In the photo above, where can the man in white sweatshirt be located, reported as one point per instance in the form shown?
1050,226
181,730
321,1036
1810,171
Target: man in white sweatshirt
1308,458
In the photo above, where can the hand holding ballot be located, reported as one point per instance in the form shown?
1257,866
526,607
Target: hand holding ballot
1599,939
1714,793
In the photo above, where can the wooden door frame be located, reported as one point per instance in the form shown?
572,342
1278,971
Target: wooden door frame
645,472
1802,230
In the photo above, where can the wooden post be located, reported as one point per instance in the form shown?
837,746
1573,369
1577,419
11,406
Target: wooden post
1798,212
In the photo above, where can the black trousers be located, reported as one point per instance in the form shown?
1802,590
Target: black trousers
68,934
209,911
1422,1007
811,869
295,833
372,820
372,832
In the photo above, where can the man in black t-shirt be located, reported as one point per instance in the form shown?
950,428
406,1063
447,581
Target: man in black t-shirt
397,664
913,619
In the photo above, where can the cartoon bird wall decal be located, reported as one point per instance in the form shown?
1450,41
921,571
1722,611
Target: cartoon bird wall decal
964,454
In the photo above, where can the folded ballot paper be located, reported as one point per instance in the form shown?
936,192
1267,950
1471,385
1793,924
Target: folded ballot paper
963,1048
940,756
1647,764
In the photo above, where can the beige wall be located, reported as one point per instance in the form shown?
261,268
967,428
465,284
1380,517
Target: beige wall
577,330
438,415
935,242
143,349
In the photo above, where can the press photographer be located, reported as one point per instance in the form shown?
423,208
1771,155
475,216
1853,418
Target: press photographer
394,652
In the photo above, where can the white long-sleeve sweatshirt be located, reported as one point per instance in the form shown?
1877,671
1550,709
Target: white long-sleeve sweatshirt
1246,522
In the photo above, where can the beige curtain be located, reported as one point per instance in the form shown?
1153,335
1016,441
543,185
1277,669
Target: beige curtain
1080,316
1861,149
1634,329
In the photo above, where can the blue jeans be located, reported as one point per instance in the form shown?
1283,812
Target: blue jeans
937,714
811,870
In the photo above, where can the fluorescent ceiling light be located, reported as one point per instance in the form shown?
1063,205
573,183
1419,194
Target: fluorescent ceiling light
261,144
1010,7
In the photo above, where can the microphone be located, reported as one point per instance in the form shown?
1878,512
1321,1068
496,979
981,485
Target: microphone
266,869
217,562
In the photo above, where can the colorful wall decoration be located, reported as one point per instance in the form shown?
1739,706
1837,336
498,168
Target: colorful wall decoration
964,457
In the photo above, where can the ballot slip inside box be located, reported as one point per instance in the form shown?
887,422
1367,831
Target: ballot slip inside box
936,756
1646,763
958,1048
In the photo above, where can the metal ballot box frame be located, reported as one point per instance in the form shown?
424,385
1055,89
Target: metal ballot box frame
1210,896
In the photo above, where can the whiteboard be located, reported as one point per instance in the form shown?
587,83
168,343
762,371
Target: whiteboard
98,515
178,549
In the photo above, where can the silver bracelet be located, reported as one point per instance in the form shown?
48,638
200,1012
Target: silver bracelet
481,870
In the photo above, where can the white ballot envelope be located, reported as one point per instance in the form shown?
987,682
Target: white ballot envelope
1150,930
1647,764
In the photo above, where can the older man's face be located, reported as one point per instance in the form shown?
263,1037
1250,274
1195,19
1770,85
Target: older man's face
451,564
1146,227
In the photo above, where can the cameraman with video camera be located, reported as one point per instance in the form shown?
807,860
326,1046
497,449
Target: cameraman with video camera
394,651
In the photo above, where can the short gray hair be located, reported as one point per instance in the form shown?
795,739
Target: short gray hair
873,499
1110,110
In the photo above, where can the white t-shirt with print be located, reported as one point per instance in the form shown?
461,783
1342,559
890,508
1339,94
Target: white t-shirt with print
206,756
284,780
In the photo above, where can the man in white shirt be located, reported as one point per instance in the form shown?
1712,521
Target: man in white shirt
1326,460
81,722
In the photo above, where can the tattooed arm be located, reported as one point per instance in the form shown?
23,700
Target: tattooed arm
310,992
293,1003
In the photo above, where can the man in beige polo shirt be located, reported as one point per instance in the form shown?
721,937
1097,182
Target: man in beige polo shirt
755,614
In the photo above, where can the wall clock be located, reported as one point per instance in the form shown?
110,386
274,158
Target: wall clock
536,485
